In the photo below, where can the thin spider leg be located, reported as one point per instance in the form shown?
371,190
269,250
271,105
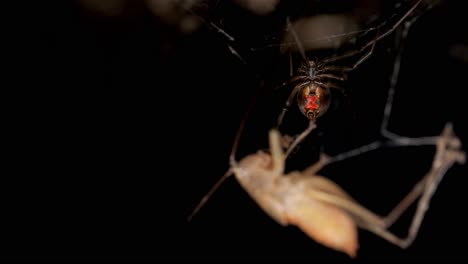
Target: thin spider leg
331,76
289,102
335,69
329,85
372,42
332,70
356,64
293,80
352,67
328,69
291,70
352,53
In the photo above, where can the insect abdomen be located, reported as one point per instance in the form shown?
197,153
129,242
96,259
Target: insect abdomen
323,222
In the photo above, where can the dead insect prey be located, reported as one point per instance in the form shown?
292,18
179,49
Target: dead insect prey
323,210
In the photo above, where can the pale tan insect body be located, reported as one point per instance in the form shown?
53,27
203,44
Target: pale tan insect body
324,211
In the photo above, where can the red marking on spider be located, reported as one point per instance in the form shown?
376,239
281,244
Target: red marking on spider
312,102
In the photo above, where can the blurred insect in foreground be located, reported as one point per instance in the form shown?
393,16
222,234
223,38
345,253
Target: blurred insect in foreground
323,210
315,204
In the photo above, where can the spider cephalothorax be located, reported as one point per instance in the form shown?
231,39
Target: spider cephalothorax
308,70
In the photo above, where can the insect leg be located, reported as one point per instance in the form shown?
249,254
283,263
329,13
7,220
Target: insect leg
301,137
393,81
447,154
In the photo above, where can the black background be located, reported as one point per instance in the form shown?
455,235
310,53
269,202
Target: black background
119,125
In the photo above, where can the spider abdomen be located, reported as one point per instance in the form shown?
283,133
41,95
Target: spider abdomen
313,100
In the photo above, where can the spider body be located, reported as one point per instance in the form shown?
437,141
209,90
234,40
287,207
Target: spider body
313,96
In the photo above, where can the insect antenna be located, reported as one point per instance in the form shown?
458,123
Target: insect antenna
232,158
209,194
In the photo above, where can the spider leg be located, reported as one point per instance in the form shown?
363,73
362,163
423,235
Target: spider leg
372,42
355,65
292,80
328,85
350,54
296,89
332,76
291,70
